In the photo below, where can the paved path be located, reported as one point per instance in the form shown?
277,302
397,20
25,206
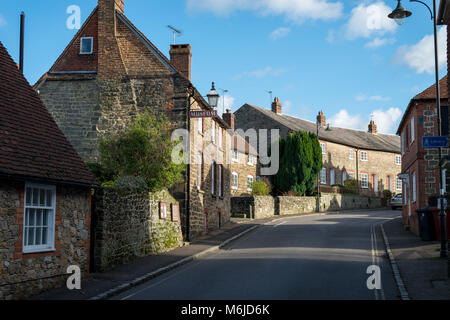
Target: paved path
310,257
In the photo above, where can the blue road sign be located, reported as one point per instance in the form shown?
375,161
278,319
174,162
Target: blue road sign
435,142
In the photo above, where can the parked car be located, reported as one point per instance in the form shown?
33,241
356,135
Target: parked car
397,202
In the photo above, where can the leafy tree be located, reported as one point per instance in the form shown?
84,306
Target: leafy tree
300,163
143,149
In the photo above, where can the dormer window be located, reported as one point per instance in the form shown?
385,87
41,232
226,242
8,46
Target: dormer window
86,45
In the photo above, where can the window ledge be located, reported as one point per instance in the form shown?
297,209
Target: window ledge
42,250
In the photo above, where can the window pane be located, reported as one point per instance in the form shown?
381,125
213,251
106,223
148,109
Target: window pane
31,221
25,234
49,198
29,193
38,237
42,198
45,217
38,217
30,236
44,235
27,213
35,197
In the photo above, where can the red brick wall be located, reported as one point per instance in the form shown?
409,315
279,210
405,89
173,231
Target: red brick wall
71,59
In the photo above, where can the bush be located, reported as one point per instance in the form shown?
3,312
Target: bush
143,149
351,186
100,172
131,183
260,188
290,194
387,194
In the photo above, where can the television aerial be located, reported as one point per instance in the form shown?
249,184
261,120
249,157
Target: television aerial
175,32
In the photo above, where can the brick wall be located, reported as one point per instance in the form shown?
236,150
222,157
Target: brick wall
23,275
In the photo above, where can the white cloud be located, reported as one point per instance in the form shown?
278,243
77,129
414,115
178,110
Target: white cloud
368,20
420,56
293,10
363,97
229,103
386,121
379,42
261,73
344,120
279,33
287,106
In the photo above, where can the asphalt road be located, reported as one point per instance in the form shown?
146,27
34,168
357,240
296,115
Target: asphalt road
311,257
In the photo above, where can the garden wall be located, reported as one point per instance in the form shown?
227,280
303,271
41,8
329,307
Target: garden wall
263,207
128,226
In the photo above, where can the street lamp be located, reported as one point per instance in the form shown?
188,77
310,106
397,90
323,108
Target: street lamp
399,14
213,97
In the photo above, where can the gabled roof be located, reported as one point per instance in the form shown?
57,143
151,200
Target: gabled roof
347,137
31,144
427,94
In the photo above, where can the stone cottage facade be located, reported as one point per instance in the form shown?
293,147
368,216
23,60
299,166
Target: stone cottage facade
420,165
244,162
109,73
372,158
45,193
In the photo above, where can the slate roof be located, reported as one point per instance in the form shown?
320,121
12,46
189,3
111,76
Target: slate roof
31,144
348,137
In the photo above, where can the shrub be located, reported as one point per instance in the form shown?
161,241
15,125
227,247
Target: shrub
143,149
260,188
351,186
100,172
131,183
387,194
290,194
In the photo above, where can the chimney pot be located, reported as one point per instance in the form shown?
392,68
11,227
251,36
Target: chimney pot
372,127
321,120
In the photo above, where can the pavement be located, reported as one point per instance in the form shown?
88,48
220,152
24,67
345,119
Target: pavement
423,272
296,242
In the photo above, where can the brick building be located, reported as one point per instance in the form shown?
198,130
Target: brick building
109,73
372,158
244,162
418,164
45,193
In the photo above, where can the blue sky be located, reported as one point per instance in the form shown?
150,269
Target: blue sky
343,57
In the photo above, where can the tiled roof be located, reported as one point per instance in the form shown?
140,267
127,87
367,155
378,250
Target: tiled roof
348,137
31,144
430,93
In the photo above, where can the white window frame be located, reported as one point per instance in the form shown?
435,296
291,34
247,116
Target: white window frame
413,131
199,170
323,146
51,216
364,181
251,160
344,176
213,132
200,125
220,132
213,182
250,180
332,177
235,155
234,178
81,45
366,158
220,173
414,187
351,154
323,176
351,175
398,160
399,184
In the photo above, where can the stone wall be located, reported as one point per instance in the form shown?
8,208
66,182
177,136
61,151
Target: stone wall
259,207
128,226
23,275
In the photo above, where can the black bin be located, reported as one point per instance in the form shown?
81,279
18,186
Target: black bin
426,223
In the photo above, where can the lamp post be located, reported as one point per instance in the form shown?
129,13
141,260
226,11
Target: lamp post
213,98
399,15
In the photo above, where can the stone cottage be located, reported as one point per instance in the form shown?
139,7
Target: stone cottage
45,193
372,158
109,73
244,161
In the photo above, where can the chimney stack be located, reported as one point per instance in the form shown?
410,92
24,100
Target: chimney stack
180,57
321,120
112,4
372,127
229,118
276,106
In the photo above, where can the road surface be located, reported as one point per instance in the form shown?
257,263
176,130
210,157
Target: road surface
310,257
